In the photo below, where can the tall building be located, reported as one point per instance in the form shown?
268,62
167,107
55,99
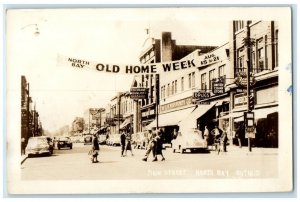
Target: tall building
260,38
155,51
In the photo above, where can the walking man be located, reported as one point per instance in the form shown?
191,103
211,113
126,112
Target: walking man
123,143
151,146
95,149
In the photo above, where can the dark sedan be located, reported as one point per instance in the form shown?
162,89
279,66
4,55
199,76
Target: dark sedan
64,142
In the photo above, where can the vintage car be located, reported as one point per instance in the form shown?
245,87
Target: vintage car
39,145
189,139
64,142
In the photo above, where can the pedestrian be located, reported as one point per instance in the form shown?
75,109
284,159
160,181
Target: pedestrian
216,132
123,143
151,146
206,134
224,140
238,135
159,146
95,149
23,146
128,143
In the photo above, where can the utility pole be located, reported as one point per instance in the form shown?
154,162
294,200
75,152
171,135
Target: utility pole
249,64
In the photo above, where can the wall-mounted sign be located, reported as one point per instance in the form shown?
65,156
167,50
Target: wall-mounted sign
176,104
201,95
139,93
218,87
240,100
199,102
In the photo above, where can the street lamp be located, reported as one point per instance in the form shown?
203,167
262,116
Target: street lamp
36,33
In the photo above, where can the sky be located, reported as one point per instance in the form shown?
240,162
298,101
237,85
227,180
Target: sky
112,36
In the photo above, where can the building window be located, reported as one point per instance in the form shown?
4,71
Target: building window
168,90
222,73
260,58
193,79
276,48
203,81
190,80
266,52
241,63
211,78
253,61
182,83
175,86
162,92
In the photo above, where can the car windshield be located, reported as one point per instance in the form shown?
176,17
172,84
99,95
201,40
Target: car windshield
36,141
64,139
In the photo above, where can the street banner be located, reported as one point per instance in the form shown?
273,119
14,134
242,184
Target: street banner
133,69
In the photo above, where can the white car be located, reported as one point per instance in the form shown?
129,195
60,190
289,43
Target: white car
189,139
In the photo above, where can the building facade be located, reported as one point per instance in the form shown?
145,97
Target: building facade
260,38
155,51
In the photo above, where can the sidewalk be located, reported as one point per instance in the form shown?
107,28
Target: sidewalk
233,149
23,158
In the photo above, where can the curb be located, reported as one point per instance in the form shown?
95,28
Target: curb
23,160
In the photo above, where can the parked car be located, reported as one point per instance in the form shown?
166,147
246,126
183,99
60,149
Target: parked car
102,139
88,139
190,139
64,142
39,145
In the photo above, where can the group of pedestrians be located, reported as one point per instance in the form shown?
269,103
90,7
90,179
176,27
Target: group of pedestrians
219,138
154,146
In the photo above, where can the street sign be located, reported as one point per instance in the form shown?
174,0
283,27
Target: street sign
250,132
138,93
218,87
201,95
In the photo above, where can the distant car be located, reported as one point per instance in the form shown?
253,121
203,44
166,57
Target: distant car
102,139
88,139
115,140
64,142
190,139
141,140
39,145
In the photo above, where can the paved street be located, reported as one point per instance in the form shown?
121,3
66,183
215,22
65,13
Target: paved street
75,164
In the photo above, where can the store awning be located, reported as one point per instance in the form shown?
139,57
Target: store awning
171,118
263,112
125,123
190,121
239,119
232,115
